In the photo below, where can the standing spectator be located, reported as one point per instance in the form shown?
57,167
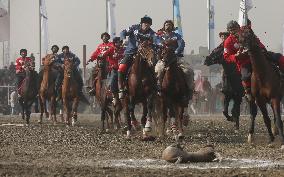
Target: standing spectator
13,102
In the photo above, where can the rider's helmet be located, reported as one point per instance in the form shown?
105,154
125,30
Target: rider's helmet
105,34
146,19
232,25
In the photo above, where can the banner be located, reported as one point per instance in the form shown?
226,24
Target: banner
44,27
245,6
177,17
111,26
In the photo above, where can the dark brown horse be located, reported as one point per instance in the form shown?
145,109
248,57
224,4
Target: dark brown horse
104,97
141,85
28,90
47,89
174,89
70,94
266,84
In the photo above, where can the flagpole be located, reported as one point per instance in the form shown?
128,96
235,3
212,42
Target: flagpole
39,32
209,35
173,11
107,16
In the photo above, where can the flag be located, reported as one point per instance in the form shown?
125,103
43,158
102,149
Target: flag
177,17
44,27
4,21
211,25
110,18
245,6
283,41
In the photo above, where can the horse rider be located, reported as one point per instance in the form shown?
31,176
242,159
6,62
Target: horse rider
168,35
20,64
101,53
136,34
117,53
66,54
54,50
232,53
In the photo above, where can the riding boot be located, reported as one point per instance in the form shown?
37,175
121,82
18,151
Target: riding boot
121,78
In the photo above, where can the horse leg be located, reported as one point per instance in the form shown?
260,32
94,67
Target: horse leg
110,116
53,109
41,109
262,106
226,107
149,111
144,118
66,109
164,118
74,110
253,112
179,116
277,114
134,121
236,110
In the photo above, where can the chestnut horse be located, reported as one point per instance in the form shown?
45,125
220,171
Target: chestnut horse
28,90
47,89
104,97
70,93
174,88
266,85
141,85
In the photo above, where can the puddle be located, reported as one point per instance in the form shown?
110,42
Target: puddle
161,164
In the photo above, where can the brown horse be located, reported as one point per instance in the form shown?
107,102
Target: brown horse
141,85
104,97
174,88
70,94
47,89
28,90
266,84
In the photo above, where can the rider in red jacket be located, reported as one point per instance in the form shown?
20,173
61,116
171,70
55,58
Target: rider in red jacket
233,53
103,52
20,63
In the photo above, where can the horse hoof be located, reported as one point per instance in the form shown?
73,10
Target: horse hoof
107,130
128,134
39,121
270,145
250,138
282,147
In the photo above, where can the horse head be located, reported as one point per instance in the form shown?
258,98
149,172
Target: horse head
68,67
215,57
247,38
48,60
167,53
146,51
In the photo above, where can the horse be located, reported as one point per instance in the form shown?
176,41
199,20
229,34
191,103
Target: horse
47,89
266,84
141,86
104,97
70,93
28,90
173,89
232,85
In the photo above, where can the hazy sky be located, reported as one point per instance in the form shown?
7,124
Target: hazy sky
78,22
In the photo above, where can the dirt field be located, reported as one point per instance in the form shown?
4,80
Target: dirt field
47,150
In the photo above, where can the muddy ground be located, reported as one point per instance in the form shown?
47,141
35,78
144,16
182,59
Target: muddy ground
48,150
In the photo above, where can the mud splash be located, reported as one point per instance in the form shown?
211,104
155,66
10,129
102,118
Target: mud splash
161,164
